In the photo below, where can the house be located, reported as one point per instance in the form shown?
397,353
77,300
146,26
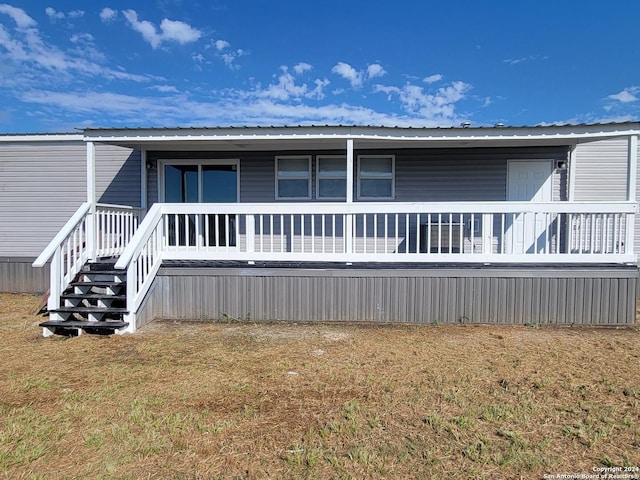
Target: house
325,223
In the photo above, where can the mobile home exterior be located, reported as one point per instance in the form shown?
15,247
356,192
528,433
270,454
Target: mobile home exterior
43,180
326,223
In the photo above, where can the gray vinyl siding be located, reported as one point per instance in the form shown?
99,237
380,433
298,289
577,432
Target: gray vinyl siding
601,170
43,184
117,175
467,175
601,175
153,184
257,179
429,296
428,175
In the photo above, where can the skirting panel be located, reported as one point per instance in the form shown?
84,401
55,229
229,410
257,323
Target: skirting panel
150,305
18,276
501,296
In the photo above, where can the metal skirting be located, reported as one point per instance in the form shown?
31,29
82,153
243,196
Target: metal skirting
524,295
18,276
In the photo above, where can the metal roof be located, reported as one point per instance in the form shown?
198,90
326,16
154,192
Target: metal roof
382,127
328,137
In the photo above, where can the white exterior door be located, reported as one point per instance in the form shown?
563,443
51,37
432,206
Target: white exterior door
528,181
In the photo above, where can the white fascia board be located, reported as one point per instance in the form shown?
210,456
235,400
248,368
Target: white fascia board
572,133
53,137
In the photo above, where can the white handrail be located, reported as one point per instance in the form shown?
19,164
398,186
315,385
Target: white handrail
310,208
142,234
64,232
117,207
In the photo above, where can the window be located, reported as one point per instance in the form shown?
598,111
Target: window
331,177
293,177
376,176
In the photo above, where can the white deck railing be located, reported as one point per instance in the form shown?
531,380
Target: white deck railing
494,232
86,236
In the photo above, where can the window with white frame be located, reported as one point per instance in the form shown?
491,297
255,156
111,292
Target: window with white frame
376,176
331,177
293,177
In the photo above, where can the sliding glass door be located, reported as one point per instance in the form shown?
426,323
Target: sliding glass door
202,182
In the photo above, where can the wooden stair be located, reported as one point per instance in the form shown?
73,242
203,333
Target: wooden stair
95,302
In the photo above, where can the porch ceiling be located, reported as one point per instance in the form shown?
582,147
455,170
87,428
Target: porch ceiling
248,145
238,139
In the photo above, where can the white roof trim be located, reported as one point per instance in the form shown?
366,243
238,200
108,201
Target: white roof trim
42,137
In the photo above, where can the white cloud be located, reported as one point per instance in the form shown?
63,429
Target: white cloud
18,15
108,14
375,70
301,68
36,62
179,31
232,109
221,44
170,30
437,106
222,50
229,58
627,95
318,91
286,89
515,61
349,73
53,14
357,77
164,88
81,37
436,77
145,28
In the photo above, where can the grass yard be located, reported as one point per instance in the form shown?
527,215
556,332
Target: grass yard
199,401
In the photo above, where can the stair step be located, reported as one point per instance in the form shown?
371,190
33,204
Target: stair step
106,325
102,272
105,310
91,296
96,267
98,283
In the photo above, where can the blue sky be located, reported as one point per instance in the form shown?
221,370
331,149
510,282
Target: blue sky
75,64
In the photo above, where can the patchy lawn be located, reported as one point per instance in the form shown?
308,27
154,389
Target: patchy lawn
316,401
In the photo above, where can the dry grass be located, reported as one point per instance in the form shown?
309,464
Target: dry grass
315,401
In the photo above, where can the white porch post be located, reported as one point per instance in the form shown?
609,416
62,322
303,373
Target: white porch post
572,174
348,228
632,179
573,156
143,180
91,198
